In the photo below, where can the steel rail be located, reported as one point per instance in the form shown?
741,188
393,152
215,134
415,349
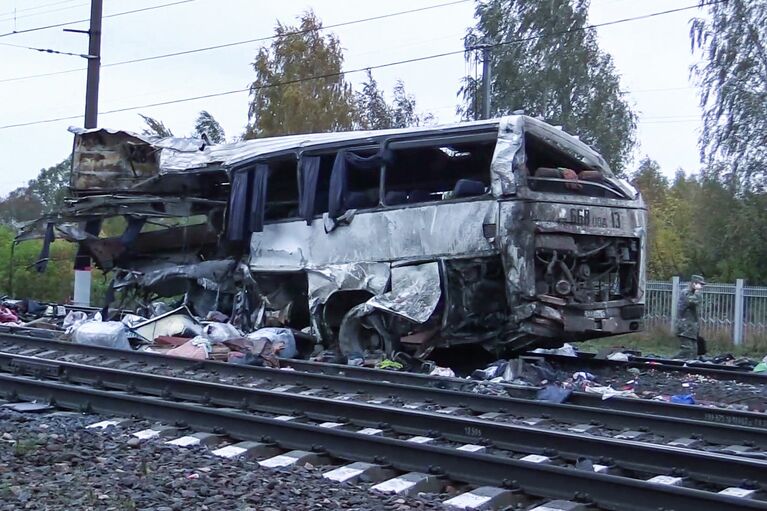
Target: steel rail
634,456
715,425
584,361
550,481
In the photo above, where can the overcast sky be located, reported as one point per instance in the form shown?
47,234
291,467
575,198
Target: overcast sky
652,56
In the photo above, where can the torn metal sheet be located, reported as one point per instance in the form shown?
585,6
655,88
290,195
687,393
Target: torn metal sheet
171,155
323,282
509,155
429,230
416,290
178,322
209,275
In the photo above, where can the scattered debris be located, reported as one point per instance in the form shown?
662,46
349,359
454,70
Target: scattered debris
442,371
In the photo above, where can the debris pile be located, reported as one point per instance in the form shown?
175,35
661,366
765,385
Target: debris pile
168,331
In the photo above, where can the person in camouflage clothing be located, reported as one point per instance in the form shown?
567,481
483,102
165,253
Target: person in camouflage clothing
687,327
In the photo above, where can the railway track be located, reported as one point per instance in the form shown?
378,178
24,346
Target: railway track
715,371
583,361
719,427
530,447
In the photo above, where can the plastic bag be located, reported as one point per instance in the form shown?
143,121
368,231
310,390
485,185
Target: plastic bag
553,394
73,320
442,371
131,320
109,334
683,399
220,332
566,350
282,338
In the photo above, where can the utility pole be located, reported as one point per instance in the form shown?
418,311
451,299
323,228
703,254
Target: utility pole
94,66
82,289
486,80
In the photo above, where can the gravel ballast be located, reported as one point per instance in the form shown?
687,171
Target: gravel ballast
50,461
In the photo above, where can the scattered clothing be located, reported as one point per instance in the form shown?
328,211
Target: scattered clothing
553,394
683,399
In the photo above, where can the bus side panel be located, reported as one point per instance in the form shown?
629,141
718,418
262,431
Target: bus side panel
417,233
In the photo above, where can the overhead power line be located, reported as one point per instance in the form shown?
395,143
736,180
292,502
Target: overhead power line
239,43
357,70
43,6
46,50
15,17
66,23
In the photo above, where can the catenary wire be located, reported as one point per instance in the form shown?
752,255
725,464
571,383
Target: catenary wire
336,25
37,7
14,18
114,15
45,50
357,70
246,41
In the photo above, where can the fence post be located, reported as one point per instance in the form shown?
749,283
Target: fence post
737,324
674,300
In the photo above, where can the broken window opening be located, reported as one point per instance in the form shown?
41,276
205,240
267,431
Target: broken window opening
355,182
556,171
170,223
282,190
438,170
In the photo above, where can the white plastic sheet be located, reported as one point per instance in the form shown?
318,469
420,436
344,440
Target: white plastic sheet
109,334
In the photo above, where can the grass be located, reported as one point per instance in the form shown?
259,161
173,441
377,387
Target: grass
660,341
24,447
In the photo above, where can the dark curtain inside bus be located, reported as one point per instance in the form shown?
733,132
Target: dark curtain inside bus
310,170
338,179
237,217
247,202
258,199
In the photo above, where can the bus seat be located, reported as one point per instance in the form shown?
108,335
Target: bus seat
321,202
548,172
394,198
590,175
468,188
418,196
359,200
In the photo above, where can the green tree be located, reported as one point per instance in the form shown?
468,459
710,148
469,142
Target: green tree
155,127
41,195
404,110
283,98
375,113
19,206
665,246
732,79
207,125
546,62
51,185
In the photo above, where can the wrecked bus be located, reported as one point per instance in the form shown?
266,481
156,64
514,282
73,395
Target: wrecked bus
506,233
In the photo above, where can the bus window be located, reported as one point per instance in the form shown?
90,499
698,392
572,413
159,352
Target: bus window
363,184
439,171
355,181
282,190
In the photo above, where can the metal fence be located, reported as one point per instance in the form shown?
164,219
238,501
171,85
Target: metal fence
733,311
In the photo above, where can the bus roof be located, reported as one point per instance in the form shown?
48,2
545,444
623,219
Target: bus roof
178,155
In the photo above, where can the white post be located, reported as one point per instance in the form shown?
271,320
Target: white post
674,300
737,324
82,287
